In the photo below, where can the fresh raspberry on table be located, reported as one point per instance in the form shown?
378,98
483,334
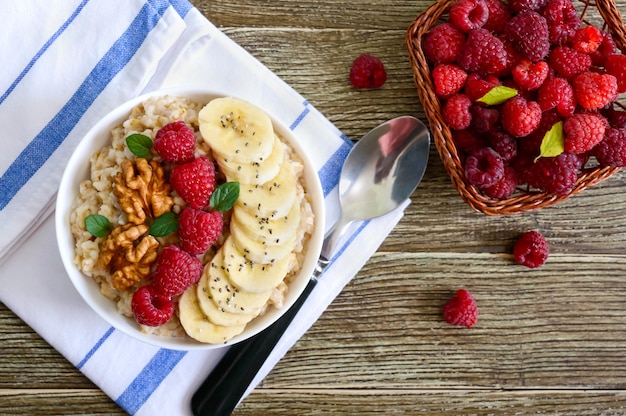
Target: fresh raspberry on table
583,131
367,71
175,270
505,187
194,181
199,230
587,39
611,151
476,85
467,141
456,112
520,117
531,249
484,119
606,48
568,62
175,142
555,175
499,14
483,52
461,310
528,33
557,93
563,20
150,307
484,167
616,65
503,143
448,79
519,6
468,14
594,90
443,43
530,76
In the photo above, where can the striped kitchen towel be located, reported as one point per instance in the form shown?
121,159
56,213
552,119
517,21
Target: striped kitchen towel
85,58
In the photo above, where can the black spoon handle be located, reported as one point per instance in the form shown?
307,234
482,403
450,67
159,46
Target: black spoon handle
222,390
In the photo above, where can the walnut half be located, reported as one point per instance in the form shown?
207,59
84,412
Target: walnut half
128,254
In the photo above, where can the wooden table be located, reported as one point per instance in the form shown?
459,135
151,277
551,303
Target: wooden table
549,341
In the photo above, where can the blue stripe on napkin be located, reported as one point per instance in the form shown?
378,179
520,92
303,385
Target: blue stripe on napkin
95,348
50,138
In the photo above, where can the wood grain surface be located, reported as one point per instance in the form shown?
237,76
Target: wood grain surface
550,341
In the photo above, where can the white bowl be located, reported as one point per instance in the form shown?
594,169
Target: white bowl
78,169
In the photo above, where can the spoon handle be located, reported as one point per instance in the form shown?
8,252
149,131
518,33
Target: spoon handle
222,390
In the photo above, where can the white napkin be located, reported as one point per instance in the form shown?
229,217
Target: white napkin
85,58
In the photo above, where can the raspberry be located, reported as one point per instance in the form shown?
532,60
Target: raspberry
484,167
519,6
175,142
367,72
467,141
529,76
528,33
530,144
522,164
611,151
616,66
443,43
499,14
482,52
606,48
568,62
151,308
175,271
476,86
461,310
587,39
504,144
555,175
505,186
557,93
562,19
583,131
484,119
593,90
198,229
448,79
616,118
468,14
531,249
520,117
456,112
194,181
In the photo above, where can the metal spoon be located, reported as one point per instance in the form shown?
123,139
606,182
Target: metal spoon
381,171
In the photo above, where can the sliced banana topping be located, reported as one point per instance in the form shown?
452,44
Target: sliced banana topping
253,173
267,230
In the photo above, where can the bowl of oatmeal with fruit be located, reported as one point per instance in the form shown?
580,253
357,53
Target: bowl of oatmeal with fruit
189,219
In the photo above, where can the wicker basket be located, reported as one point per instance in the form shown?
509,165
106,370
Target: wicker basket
522,200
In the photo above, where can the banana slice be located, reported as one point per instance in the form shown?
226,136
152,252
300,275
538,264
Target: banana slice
273,199
251,276
196,324
260,252
237,130
269,231
253,172
228,297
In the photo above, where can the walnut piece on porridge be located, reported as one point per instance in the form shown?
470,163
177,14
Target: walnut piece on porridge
142,190
128,254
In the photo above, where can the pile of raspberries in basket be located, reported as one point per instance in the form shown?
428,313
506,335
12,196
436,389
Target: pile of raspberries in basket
529,92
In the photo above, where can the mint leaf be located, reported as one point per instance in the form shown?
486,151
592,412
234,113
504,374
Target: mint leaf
164,225
139,144
498,95
98,225
553,142
225,196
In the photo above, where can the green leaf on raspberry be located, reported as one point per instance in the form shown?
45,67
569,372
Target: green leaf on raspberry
139,144
498,95
164,225
98,225
553,142
225,196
